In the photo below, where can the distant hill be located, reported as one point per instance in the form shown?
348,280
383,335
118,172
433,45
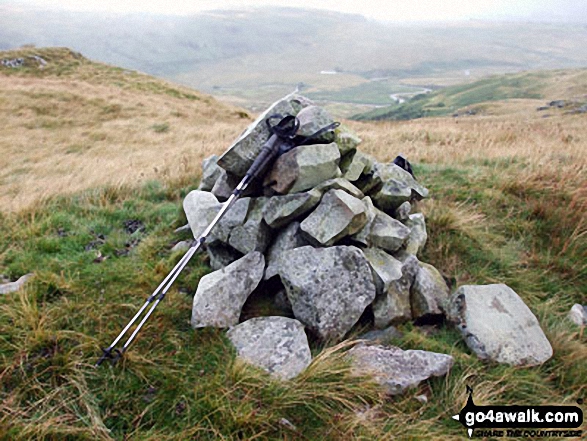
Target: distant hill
570,85
252,56
70,124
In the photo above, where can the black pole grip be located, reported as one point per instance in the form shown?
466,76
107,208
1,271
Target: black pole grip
269,151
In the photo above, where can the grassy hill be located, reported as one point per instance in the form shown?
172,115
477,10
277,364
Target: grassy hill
74,124
508,203
252,56
479,96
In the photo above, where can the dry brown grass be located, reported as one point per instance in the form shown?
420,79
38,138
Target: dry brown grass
63,135
516,132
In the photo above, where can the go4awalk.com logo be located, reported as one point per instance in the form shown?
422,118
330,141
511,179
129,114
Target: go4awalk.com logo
520,421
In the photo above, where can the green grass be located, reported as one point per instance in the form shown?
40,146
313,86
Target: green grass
372,92
451,99
177,383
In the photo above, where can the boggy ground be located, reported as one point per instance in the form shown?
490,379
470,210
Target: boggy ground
508,204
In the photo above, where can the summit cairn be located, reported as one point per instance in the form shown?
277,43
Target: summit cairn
329,236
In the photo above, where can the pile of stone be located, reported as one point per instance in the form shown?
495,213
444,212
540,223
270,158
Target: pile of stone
331,234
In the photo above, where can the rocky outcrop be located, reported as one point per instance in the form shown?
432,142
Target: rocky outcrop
578,314
10,287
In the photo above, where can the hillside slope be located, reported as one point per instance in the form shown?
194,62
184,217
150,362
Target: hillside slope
539,86
508,205
69,124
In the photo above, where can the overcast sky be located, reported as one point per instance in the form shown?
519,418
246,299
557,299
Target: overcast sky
396,10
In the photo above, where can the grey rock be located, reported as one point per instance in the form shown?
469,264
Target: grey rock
386,269
328,288
201,207
418,236
221,295
281,210
312,119
184,245
429,293
242,153
236,216
381,336
10,287
224,186
338,184
354,164
276,344
398,187
303,168
578,314
346,139
403,212
497,325
362,236
338,215
254,234
393,306
397,370
221,255
287,239
211,171
282,302
381,230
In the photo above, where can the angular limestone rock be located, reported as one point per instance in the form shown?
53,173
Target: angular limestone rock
429,293
241,154
224,186
211,171
403,212
397,370
287,239
328,288
386,268
338,215
381,230
221,295
254,234
346,139
276,344
578,315
398,187
303,168
338,184
312,119
418,235
281,210
200,208
221,255
393,306
497,325
234,217
354,164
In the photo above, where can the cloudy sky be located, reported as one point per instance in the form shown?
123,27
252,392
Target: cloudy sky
396,10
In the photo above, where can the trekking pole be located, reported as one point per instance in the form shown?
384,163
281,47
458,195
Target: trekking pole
283,138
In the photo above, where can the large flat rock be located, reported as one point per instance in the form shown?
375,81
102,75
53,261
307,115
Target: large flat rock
276,344
328,288
397,370
497,325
